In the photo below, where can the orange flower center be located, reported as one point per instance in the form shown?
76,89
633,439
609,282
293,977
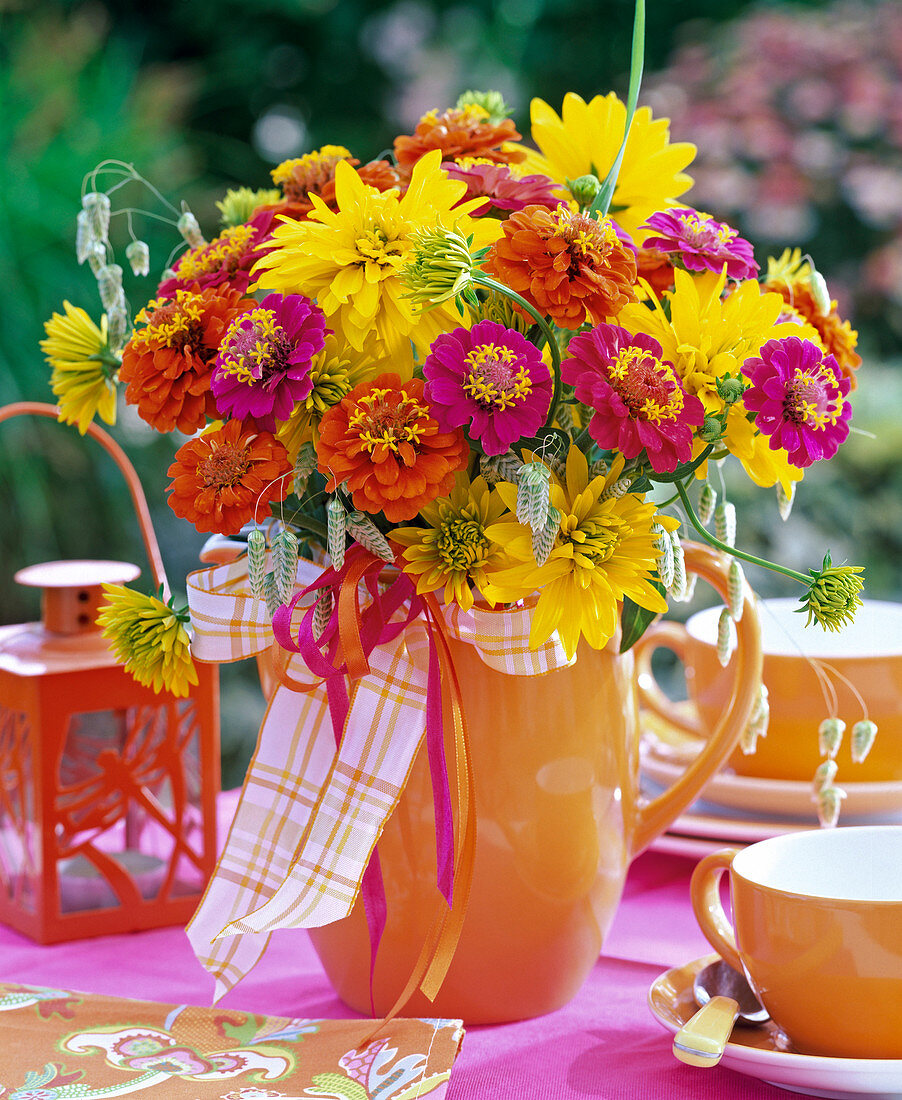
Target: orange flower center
225,467
389,422
647,385
224,252
496,377
170,323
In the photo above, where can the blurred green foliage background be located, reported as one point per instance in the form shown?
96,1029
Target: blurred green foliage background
203,94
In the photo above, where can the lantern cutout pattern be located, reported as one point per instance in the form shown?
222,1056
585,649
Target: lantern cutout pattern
107,789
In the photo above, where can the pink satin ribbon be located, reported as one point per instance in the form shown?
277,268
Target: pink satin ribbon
349,637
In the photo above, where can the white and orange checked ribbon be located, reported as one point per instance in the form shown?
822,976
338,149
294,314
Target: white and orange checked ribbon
310,815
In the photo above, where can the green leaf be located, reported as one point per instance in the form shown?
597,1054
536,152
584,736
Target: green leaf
635,620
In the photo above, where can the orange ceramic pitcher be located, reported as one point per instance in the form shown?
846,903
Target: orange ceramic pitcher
559,818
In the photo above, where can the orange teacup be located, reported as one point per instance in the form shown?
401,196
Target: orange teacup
866,654
817,918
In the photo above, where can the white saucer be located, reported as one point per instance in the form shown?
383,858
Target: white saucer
781,797
756,1051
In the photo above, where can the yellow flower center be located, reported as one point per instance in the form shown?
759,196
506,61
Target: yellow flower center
374,247
170,322
496,377
582,233
812,398
702,229
594,541
255,348
647,385
461,542
224,252
389,421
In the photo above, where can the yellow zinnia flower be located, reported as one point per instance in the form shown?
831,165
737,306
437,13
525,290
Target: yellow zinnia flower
454,550
149,638
350,259
83,378
708,337
604,550
586,137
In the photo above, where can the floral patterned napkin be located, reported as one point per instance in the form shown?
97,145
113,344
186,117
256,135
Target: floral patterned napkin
56,1044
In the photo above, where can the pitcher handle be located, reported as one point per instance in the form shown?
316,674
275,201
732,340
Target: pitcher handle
672,636
654,817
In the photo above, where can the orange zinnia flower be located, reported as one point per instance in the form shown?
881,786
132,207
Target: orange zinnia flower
168,363
837,336
223,478
383,440
459,132
314,174
568,265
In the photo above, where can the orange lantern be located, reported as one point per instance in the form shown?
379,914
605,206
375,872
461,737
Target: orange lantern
107,790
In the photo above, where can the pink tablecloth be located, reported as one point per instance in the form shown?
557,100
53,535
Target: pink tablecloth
605,1043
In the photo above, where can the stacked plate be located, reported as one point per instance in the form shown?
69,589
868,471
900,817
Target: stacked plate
739,809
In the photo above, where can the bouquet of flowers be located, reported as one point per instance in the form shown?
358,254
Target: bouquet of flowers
505,373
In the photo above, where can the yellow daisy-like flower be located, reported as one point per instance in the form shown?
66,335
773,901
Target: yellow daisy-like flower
586,137
605,550
454,550
335,371
708,337
350,259
83,378
149,638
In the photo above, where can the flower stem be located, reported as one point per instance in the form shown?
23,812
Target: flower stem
499,288
602,200
731,550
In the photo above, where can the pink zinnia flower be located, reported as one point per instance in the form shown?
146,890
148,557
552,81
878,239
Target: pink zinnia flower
490,378
637,397
502,189
227,259
799,394
702,243
263,366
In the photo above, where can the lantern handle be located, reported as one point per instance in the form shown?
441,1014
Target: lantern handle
139,500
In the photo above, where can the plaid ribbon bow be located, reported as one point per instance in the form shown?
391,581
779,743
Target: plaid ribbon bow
311,811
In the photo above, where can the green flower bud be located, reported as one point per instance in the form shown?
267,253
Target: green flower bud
863,734
829,736
138,255
584,189
730,389
491,102
711,430
833,595
97,207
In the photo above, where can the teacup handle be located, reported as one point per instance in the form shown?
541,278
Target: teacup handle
704,888
654,817
672,636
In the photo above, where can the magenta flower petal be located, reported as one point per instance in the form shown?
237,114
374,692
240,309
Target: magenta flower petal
799,395
263,366
702,243
637,397
490,378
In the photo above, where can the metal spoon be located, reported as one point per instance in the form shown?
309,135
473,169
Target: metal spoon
726,998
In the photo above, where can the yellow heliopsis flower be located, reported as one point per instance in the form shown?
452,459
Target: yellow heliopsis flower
350,259
335,371
604,550
454,550
707,338
586,137
149,638
83,378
